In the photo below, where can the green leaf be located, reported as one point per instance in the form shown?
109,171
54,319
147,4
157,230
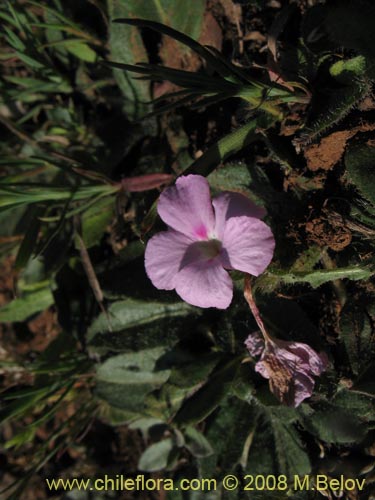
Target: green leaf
30,61
131,313
345,71
156,456
273,278
188,373
231,177
56,13
366,381
332,105
188,369
290,453
95,220
13,195
26,401
179,34
228,145
196,443
182,78
13,39
219,433
23,437
167,401
116,416
262,440
30,239
355,333
203,402
275,443
360,167
31,303
332,424
125,380
79,49
359,400
146,424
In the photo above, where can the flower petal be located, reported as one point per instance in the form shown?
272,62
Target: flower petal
163,257
308,358
186,207
255,344
230,204
204,283
248,245
303,388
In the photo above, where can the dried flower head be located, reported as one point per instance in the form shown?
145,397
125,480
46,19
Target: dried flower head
289,367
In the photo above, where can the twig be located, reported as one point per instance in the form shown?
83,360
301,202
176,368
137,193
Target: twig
248,294
90,271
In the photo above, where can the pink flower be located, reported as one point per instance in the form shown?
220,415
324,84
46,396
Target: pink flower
289,367
204,239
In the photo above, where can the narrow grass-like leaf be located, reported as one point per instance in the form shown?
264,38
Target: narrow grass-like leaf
56,13
30,239
22,308
211,60
13,40
17,408
32,193
171,106
181,78
235,70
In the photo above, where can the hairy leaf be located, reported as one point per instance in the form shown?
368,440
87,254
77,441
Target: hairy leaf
155,457
360,166
131,313
126,379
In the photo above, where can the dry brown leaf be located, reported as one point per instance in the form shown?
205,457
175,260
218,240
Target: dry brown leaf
333,233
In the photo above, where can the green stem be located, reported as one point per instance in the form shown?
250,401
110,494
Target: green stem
228,146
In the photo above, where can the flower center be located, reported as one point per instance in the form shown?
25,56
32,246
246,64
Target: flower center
201,251
209,249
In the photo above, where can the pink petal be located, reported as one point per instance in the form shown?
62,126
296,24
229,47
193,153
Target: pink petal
205,283
186,207
231,204
299,387
303,388
308,358
255,344
262,369
163,257
248,245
